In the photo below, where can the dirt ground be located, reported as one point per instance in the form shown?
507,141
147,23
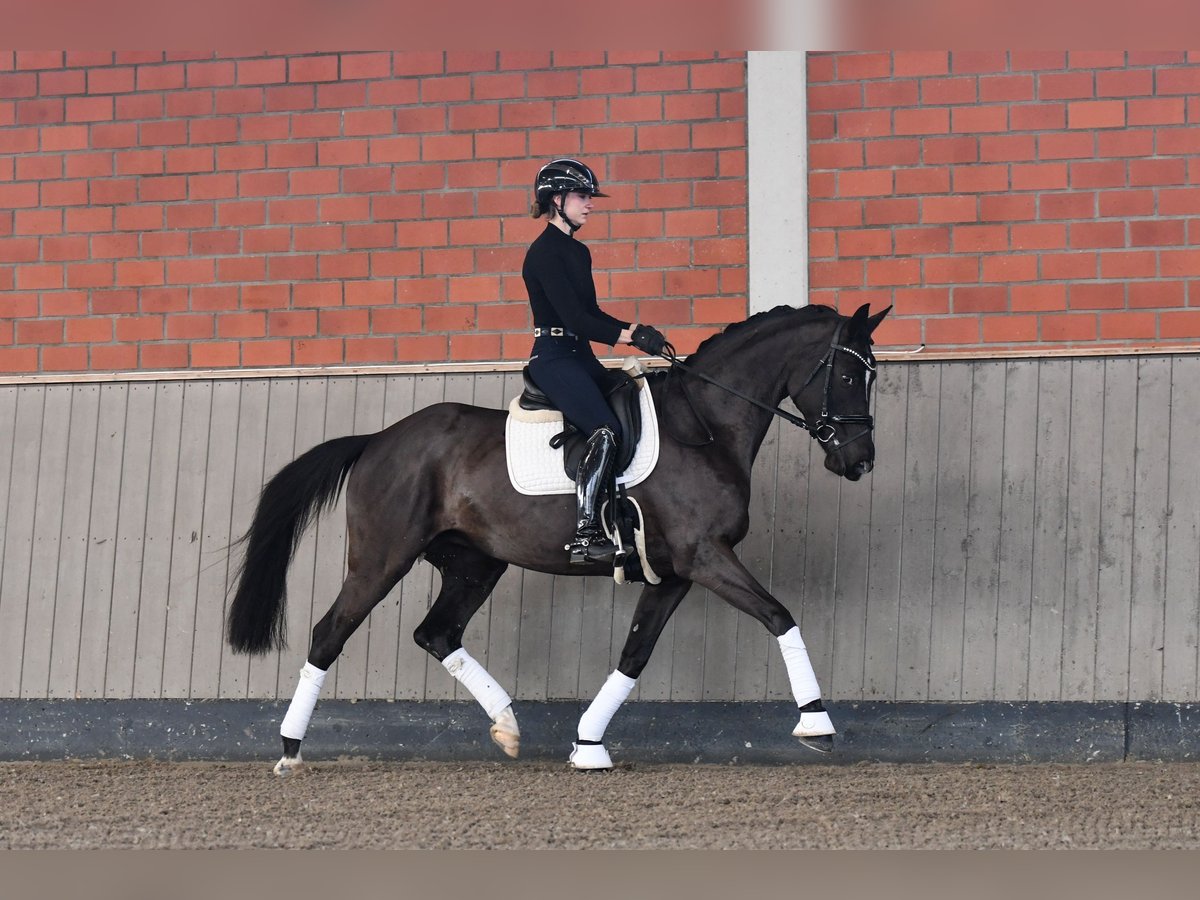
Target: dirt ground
353,805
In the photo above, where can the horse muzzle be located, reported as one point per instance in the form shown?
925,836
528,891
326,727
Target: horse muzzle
852,471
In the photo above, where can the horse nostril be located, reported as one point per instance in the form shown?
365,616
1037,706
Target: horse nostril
864,466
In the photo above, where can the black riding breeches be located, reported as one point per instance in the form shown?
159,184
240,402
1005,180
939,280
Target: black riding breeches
568,373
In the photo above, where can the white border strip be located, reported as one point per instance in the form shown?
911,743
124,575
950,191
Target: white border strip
484,368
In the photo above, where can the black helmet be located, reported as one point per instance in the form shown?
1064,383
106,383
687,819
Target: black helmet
564,174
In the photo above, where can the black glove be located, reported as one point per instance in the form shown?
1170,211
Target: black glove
648,339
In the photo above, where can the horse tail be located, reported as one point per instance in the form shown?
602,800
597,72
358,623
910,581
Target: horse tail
299,492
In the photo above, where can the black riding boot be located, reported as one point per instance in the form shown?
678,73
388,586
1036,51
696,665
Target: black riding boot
590,543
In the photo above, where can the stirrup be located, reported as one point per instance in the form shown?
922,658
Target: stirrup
587,548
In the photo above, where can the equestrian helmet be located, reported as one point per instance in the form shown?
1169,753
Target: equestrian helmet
560,175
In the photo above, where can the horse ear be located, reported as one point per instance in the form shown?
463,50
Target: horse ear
874,321
859,319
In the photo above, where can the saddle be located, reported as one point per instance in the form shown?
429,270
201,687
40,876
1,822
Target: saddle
621,391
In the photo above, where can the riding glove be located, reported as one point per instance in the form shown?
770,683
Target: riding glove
648,339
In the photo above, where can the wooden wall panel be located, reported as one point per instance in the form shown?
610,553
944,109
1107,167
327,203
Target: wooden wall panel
1029,533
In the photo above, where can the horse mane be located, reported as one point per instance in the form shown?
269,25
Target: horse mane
814,311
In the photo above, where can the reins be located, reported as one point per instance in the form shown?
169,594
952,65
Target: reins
823,431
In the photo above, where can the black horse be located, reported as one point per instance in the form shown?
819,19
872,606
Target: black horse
435,484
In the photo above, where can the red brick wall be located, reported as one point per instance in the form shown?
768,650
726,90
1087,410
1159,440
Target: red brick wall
1019,199
173,211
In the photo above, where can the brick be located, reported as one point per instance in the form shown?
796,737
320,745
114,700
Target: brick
1126,143
1127,203
1096,114
949,209
1097,234
918,63
1098,174
925,180
948,91
1183,324
1080,145
1007,148
885,152
1074,205
886,211
893,271
973,119
1177,263
857,66
865,184
870,123
1066,86
891,93
1007,208
1178,202
1136,264
64,359
1178,81
1038,297
1038,116
1009,329
163,356
1128,326
1157,172
1040,177
979,61
922,121
1125,83
950,330
1157,233
1156,111
921,241
872,242
1042,236
981,178
1002,88
1096,296
1069,327
979,238
960,269
1070,266
958,149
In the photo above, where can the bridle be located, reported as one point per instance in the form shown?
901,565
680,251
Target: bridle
821,429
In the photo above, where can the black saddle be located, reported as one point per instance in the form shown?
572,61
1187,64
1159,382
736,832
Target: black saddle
621,390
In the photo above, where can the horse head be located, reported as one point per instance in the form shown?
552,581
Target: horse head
835,396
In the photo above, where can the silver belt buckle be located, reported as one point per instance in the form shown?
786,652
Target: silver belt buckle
552,332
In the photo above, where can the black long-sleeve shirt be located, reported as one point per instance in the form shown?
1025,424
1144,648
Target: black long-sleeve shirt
558,277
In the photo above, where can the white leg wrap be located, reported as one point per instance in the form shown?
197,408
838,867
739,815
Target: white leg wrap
474,677
800,671
295,723
596,717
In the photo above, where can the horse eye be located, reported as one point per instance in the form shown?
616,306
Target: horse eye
848,379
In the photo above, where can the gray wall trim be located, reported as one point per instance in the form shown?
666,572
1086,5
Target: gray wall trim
642,732
777,124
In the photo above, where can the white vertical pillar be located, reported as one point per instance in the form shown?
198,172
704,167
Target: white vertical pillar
777,168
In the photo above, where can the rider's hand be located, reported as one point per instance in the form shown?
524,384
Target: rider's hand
648,339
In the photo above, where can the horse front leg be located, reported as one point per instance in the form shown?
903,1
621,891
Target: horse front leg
654,608
717,568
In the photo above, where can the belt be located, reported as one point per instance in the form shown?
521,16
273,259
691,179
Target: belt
554,331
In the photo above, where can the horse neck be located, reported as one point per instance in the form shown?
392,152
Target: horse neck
759,364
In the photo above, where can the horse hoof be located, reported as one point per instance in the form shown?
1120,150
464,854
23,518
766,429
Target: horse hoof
590,757
822,743
289,766
505,733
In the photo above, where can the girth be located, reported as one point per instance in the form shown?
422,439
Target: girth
620,389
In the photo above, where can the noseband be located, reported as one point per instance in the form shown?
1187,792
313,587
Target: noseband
822,430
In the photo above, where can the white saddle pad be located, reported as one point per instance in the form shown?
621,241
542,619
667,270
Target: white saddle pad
534,467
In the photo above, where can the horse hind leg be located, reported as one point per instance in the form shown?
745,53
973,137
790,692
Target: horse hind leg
358,596
468,577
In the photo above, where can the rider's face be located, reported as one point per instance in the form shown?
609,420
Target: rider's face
577,205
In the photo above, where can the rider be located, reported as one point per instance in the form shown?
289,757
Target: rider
566,316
